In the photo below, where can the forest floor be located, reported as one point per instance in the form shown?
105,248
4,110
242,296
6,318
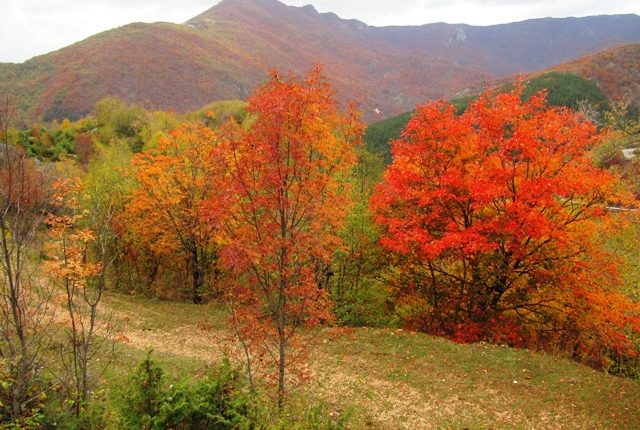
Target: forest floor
393,379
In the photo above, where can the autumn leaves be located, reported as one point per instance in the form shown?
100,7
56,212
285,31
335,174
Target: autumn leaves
494,215
254,209
281,203
164,213
489,220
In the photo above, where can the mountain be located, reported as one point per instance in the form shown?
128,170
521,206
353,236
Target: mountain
615,71
517,47
226,51
596,78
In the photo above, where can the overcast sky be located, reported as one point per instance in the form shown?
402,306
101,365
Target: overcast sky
33,27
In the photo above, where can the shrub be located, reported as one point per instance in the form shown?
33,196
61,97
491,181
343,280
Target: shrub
367,304
218,402
143,397
32,413
221,401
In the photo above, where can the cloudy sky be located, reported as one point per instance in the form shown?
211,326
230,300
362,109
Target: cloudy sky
33,27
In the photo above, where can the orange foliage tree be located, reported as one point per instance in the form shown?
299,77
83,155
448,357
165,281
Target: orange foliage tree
164,210
282,201
493,215
70,265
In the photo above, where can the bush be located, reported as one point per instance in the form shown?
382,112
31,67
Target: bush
32,412
369,304
215,403
221,401
143,397
59,415
218,402
318,419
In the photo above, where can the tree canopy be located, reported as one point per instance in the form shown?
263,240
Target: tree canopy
494,215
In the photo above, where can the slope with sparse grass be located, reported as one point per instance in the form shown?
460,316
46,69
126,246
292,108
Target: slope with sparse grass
394,379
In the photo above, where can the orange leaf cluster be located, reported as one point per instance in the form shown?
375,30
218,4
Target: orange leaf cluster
281,202
68,247
164,213
494,213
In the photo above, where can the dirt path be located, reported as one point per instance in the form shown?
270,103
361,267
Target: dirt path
401,380
332,382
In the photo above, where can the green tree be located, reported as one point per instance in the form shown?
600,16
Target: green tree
107,185
357,288
116,119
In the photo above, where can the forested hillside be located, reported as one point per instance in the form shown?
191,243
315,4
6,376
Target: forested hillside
616,71
225,52
199,230
563,89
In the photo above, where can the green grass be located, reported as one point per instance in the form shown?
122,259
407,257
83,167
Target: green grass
395,379
433,383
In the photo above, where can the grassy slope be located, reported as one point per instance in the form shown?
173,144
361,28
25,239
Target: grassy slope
395,379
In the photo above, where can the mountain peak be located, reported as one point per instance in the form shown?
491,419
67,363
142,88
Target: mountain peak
240,10
245,11
309,8
226,51
228,5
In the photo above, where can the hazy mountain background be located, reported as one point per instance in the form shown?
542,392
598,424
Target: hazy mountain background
226,51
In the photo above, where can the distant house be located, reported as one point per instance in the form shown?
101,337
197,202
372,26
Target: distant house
630,153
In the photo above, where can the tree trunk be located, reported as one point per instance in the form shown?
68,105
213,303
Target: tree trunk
197,279
281,361
282,312
19,389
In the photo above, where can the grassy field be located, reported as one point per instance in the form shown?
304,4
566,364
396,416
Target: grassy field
393,379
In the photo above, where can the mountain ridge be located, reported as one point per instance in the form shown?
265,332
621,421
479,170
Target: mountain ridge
226,51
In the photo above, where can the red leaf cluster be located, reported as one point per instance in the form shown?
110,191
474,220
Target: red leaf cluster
494,214
281,201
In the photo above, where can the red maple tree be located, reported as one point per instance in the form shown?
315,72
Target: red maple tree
281,203
493,214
